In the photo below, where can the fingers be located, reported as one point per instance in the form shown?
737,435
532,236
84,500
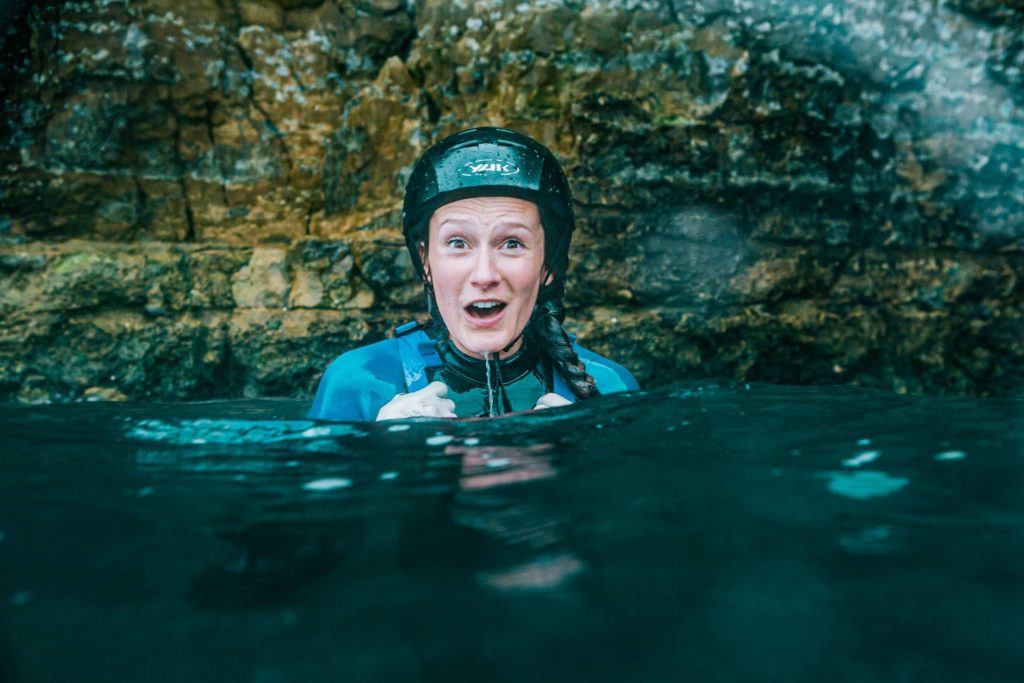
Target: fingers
436,388
551,401
427,402
441,408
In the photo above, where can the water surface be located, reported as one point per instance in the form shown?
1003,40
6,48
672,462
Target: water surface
704,532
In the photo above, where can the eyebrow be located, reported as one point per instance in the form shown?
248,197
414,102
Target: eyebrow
457,221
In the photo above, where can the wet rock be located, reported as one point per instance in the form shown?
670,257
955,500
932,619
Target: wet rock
264,282
262,12
281,353
389,271
323,276
104,394
815,192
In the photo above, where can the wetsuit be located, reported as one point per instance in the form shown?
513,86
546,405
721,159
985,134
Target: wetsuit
358,383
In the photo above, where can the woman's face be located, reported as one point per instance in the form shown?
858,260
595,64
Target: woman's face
485,262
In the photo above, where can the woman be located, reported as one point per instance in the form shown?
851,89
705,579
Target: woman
487,218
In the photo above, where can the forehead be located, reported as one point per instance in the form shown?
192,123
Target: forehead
489,210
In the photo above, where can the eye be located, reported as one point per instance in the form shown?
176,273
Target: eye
513,243
456,243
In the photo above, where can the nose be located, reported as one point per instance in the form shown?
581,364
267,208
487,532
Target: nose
485,270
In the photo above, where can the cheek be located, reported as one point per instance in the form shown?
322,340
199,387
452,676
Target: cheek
528,277
444,281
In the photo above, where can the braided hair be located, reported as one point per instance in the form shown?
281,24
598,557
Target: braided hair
545,329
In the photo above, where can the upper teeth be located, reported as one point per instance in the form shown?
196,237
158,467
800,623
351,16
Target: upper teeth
485,304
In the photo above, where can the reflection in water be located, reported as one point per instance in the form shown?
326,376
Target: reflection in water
531,524
544,572
485,467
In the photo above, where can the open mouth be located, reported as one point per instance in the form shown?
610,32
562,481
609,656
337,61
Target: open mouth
485,309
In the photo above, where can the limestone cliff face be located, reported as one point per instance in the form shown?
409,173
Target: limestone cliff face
201,198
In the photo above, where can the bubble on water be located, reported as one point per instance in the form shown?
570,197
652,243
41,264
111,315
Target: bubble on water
861,458
388,476
317,431
863,485
145,491
863,442
328,484
438,440
950,455
498,462
398,428
472,441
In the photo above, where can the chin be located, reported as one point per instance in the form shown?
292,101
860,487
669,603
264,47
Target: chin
479,345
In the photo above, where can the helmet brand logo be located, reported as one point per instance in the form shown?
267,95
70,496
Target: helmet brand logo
482,166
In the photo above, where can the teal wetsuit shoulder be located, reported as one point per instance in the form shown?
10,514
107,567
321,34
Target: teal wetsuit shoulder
609,375
358,383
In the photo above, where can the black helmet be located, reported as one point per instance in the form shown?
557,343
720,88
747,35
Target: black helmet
490,162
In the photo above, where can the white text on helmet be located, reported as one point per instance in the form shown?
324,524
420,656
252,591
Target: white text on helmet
488,166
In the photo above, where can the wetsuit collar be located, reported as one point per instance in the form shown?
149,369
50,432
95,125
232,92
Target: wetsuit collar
472,372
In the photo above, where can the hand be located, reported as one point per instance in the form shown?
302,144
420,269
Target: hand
429,401
551,401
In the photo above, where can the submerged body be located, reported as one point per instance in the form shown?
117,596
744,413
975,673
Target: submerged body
359,383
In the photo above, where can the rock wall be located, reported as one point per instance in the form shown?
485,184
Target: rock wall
201,198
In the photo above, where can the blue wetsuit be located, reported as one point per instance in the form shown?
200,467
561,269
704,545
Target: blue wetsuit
358,383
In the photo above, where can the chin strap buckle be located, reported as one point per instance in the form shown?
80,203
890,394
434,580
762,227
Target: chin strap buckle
406,328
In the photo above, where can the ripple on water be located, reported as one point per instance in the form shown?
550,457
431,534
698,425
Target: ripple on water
950,455
864,484
870,540
327,484
233,432
861,458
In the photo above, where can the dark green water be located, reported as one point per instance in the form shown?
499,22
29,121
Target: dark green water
709,533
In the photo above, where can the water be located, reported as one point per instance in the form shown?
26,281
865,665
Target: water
714,533
492,404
